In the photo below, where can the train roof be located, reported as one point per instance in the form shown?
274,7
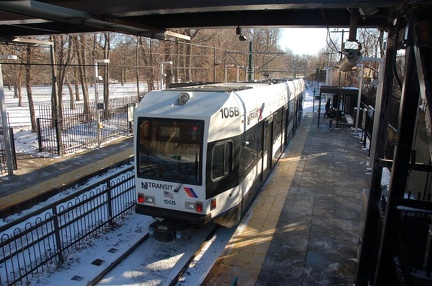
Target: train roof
218,87
224,87
203,101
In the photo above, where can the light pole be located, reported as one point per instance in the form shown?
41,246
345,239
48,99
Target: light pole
226,74
162,71
98,119
6,137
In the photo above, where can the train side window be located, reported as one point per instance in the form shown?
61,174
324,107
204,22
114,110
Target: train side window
222,160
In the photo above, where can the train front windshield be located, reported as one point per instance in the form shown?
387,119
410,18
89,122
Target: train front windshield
170,150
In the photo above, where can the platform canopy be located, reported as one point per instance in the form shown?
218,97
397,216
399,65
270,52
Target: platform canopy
343,90
164,19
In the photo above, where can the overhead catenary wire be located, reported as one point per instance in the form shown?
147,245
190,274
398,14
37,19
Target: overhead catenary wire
332,46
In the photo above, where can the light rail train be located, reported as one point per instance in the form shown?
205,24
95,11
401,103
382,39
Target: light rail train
201,152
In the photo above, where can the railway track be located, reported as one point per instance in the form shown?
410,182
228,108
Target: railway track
159,263
179,277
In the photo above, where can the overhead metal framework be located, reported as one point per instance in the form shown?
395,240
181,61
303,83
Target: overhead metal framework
161,19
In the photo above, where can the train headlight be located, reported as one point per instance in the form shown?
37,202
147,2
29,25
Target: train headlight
194,206
149,200
183,97
145,199
190,205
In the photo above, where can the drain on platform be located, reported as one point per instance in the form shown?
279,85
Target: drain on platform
77,278
97,262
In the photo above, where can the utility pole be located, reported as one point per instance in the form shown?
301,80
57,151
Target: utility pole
250,67
214,64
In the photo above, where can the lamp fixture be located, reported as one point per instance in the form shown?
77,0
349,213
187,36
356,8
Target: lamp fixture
351,59
241,37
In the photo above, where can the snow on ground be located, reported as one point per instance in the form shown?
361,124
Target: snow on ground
19,118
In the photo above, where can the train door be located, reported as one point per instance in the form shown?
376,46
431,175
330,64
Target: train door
267,160
284,136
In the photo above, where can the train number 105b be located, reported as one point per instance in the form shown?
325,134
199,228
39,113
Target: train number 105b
229,112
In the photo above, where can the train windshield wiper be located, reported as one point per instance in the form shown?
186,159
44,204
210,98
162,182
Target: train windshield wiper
182,181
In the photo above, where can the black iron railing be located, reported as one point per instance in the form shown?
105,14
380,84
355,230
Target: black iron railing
41,240
78,128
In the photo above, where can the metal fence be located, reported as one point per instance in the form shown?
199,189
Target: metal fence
41,240
3,161
79,129
413,256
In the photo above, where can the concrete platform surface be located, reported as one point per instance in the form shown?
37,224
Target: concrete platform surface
304,227
37,175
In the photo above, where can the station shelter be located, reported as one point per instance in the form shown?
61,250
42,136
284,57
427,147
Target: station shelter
343,100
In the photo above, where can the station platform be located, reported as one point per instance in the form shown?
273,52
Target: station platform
37,176
304,227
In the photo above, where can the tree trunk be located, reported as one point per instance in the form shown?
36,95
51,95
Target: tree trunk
55,102
168,68
177,62
106,75
188,55
123,71
148,62
71,94
29,90
17,94
17,91
151,77
80,50
76,84
64,61
137,70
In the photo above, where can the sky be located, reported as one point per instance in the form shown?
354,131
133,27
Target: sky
308,41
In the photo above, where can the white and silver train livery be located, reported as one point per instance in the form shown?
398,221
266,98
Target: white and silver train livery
202,151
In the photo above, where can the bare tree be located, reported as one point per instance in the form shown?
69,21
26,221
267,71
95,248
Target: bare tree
17,85
80,47
188,54
167,56
12,74
29,88
71,93
63,49
145,47
106,48
76,80
103,43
